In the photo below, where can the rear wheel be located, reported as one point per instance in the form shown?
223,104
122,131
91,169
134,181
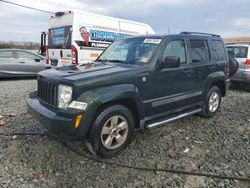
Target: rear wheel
111,132
212,102
247,86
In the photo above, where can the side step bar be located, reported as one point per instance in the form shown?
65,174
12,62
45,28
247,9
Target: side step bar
157,124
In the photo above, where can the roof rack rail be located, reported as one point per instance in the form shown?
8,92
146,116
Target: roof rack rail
238,42
198,33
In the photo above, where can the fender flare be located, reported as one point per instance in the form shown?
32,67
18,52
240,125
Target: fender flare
212,78
96,97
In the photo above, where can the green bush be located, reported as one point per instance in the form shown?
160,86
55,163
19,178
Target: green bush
3,45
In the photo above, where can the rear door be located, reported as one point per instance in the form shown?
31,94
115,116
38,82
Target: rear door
29,63
59,45
8,62
200,65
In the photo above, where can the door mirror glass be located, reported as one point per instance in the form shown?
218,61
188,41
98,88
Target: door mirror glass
170,62
37,59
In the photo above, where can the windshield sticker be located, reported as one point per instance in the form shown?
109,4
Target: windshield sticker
152,41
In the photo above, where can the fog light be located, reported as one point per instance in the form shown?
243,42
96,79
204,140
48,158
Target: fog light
78,120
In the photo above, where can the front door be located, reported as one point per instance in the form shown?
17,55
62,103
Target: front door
8,63
29,63
170,86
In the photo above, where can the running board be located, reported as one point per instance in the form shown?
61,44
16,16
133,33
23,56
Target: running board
157,124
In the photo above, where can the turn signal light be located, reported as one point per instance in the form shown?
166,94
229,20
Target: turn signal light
78,121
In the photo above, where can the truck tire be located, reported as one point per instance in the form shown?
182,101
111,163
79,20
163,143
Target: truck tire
212,102
111,132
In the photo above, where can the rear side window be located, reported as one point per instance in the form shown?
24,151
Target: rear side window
6,54
237,51
199,51
25,55
217,51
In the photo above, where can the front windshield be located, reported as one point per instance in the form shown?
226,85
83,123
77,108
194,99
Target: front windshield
132,50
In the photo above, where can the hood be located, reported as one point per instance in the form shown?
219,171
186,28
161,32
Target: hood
92,72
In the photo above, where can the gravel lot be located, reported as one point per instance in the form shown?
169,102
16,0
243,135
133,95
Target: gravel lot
218,145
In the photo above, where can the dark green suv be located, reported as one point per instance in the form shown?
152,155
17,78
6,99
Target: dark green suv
137,83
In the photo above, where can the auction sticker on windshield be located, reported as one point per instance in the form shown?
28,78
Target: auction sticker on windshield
152,41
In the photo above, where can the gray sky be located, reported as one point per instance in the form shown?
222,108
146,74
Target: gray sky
229,18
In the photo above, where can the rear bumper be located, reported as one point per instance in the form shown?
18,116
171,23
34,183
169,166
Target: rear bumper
60,122
245,78
227,84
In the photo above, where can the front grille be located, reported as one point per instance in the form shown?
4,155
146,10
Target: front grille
47,92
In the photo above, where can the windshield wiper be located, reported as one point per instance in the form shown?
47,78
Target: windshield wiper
111,60
135,61
100,60
116,61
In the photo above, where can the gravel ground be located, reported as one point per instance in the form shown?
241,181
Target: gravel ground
218,145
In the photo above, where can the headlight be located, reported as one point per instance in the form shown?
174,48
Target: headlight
64,95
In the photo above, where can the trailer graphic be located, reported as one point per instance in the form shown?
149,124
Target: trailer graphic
78,37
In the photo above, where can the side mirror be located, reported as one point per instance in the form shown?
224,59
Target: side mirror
170,62
37,59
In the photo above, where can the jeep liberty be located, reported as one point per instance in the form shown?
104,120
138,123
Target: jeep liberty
140,82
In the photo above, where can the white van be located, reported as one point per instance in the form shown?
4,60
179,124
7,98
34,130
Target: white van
79,37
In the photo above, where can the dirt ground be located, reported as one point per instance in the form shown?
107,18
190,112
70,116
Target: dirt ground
218,145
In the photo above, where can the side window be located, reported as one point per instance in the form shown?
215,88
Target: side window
25,55
199,51
6,54
217,51
176,48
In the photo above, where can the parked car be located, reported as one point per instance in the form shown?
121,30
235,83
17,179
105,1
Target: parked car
140,82
241,52
20,63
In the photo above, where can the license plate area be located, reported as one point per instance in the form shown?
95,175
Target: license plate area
54,62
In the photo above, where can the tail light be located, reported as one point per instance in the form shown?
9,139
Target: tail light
47,54
74,55
247,64
226,72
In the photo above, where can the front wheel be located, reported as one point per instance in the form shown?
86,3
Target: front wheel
111,132
212,102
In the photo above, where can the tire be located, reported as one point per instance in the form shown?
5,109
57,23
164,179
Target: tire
212,102
111,132
233,66
247,87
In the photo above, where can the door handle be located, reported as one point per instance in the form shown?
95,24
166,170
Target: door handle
22,62
61,53
186,71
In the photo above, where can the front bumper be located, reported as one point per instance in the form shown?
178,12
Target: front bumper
60,122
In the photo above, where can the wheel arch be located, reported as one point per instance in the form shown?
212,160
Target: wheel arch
100,98
216,79
128,103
